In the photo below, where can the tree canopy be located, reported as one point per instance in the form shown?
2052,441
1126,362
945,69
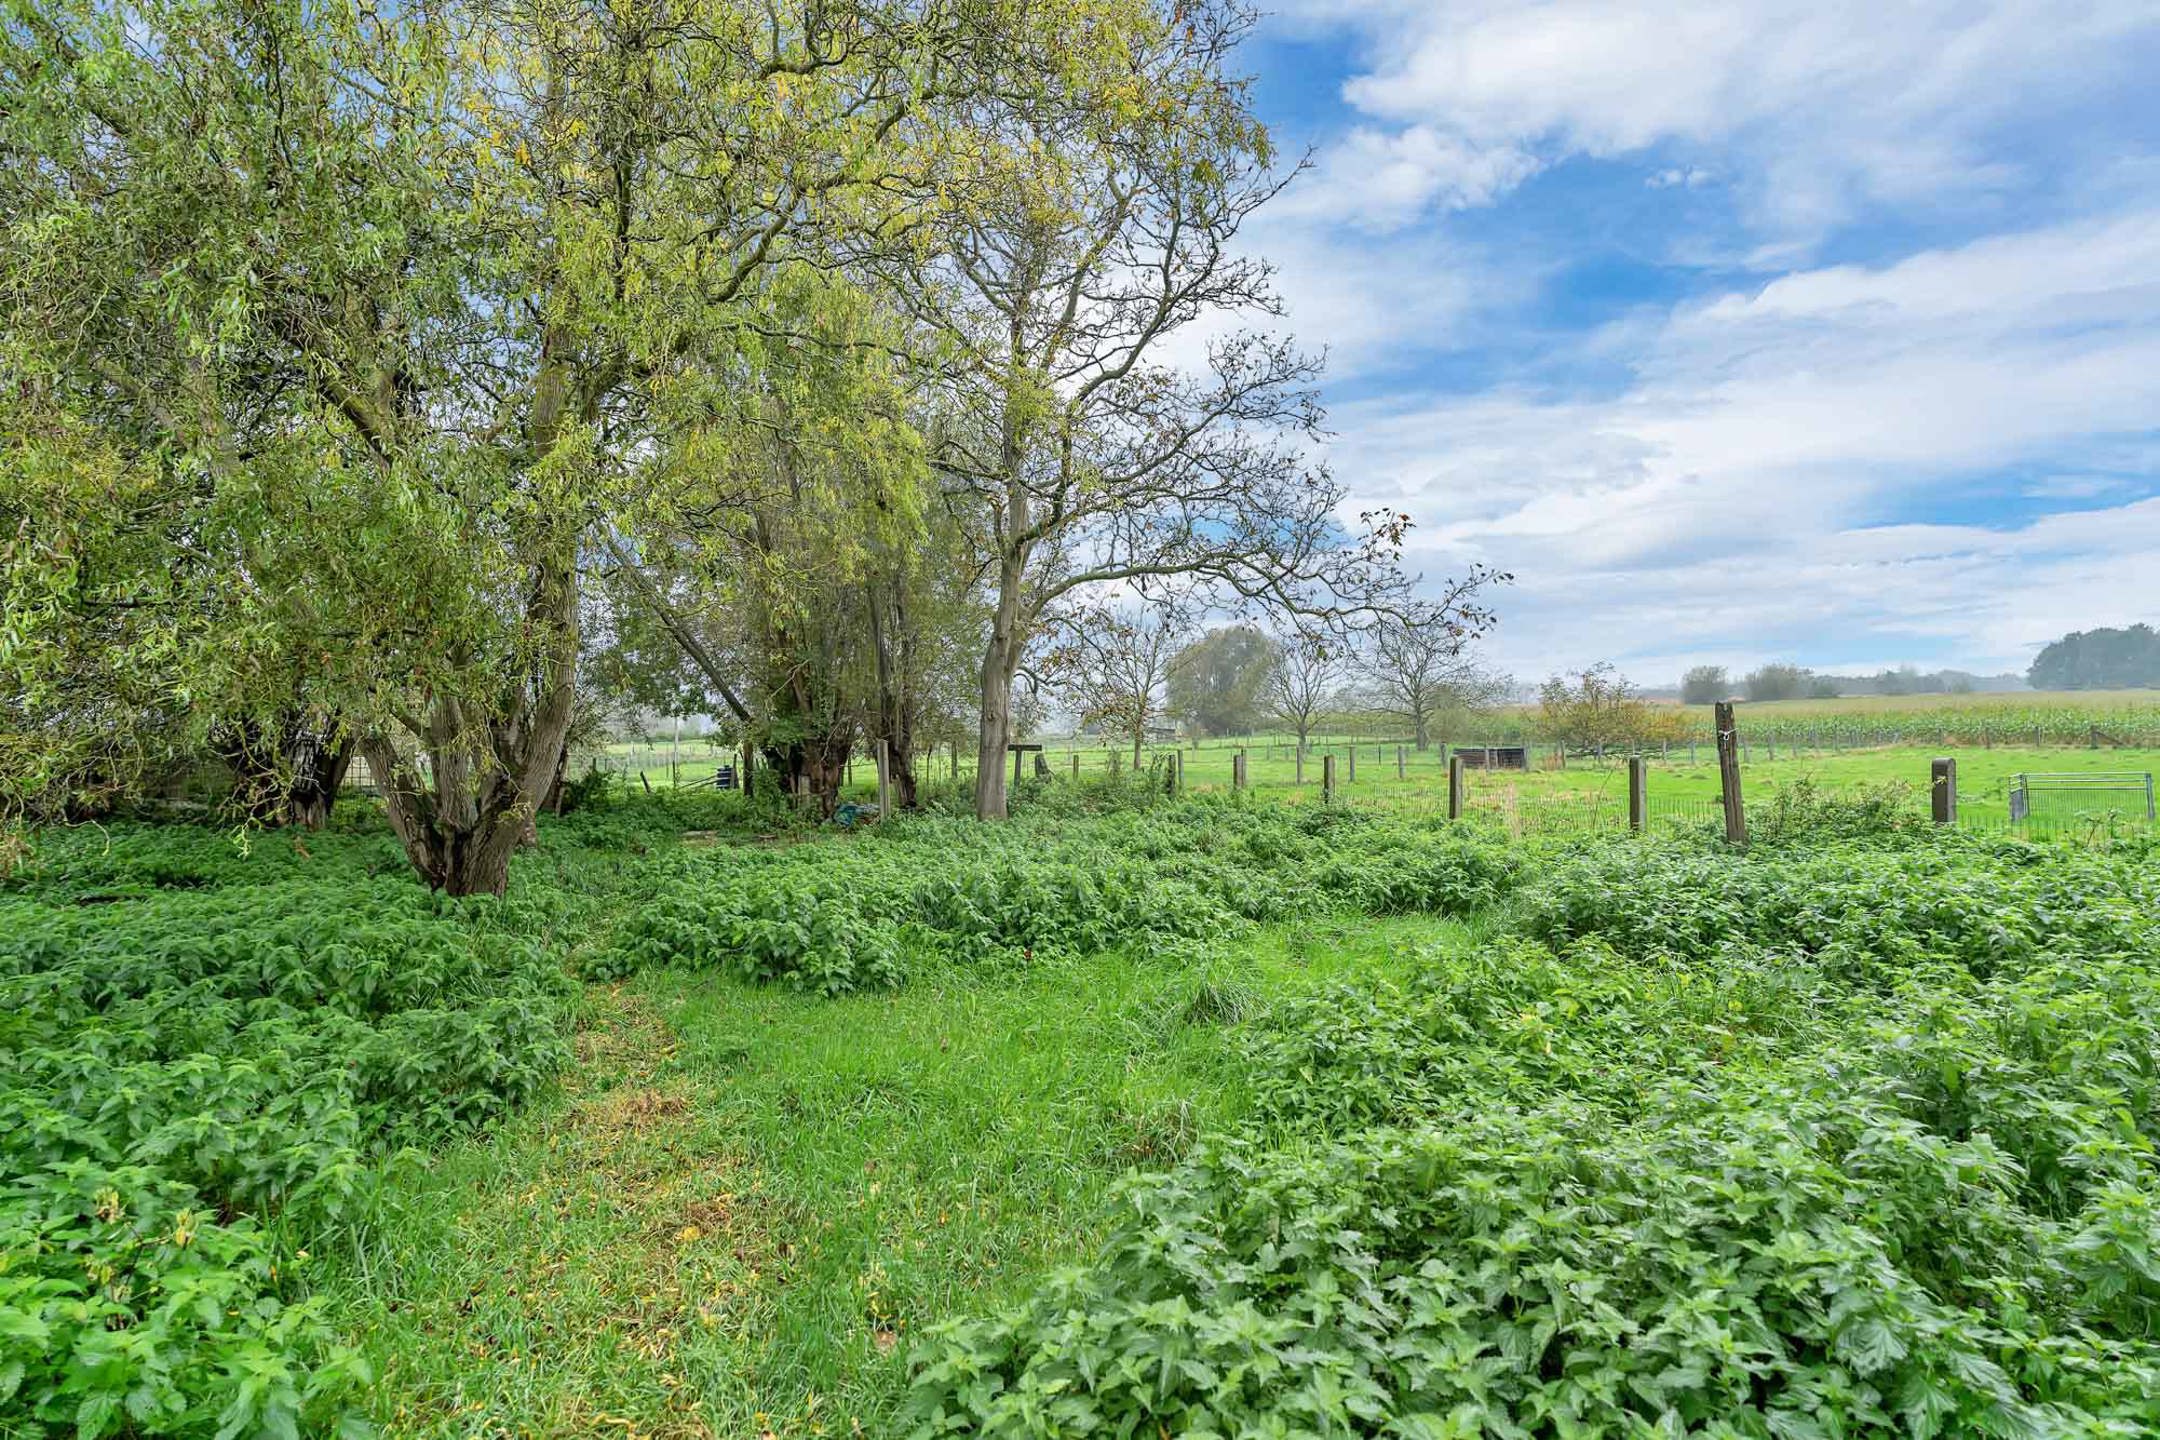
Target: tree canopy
2104,659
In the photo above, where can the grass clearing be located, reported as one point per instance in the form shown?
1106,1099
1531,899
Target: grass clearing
749,1201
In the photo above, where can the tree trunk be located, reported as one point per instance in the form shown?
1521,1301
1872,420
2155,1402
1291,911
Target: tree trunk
462,818
895,697
291,778
1423,728
314,790
1001,662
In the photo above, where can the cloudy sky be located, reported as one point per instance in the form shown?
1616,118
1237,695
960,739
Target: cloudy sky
1824,330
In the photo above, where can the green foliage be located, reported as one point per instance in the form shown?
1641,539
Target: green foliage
859,912
205,1055
2101,659
1849,1137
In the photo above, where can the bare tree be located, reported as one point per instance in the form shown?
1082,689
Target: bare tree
1074,452
1304,685
1415,672
1115,665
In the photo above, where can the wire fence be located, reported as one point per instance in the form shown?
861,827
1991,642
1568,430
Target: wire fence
1508,792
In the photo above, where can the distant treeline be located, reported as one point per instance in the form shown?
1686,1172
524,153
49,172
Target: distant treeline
1707,683
2104,659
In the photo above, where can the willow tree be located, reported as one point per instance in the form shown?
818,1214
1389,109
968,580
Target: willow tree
788,541
373,307
1085,436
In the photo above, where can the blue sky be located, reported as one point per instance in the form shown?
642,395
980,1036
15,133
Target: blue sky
1739,329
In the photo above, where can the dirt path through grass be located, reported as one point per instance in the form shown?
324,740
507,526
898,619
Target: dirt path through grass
747,1202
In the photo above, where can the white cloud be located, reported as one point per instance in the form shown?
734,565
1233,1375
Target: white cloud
1814,105
1736,488
1379,181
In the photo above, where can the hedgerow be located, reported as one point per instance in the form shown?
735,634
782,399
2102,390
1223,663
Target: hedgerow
205,1054
1855,1138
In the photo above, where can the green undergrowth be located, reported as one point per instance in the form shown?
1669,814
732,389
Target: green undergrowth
1850,1136
1131,1117
211,1046
871,909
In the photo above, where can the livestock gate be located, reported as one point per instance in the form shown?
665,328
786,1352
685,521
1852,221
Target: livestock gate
2068,794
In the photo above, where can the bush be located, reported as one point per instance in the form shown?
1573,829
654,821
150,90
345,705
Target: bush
850,912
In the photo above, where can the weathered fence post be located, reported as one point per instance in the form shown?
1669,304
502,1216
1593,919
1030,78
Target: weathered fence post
1177,771
1237,771
1327,779
1942,790
884,778
1353,764
1638,794
1728,756
1402,764
1301,762
1076,764
1454,787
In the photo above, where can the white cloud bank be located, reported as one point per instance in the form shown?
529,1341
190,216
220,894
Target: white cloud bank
1831,104
1725,504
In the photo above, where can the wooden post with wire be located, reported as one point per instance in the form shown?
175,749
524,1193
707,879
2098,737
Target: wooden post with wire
1237,771
1401,764
1638,794
1454,787
1327,778
1728,760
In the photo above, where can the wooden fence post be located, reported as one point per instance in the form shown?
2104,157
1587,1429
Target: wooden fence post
1353,764
1076,764
1401,764
1301,762
1454,787
1327,778
1638,794
1177,771
1728,760
884,778
1237,771
1942,790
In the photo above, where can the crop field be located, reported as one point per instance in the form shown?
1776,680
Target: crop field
1133,1116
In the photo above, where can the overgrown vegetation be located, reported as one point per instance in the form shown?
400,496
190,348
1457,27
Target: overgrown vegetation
1852,1134
1850,1137
207,1054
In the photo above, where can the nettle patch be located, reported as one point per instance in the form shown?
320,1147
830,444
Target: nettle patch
862,912
203,1059
1805,1144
